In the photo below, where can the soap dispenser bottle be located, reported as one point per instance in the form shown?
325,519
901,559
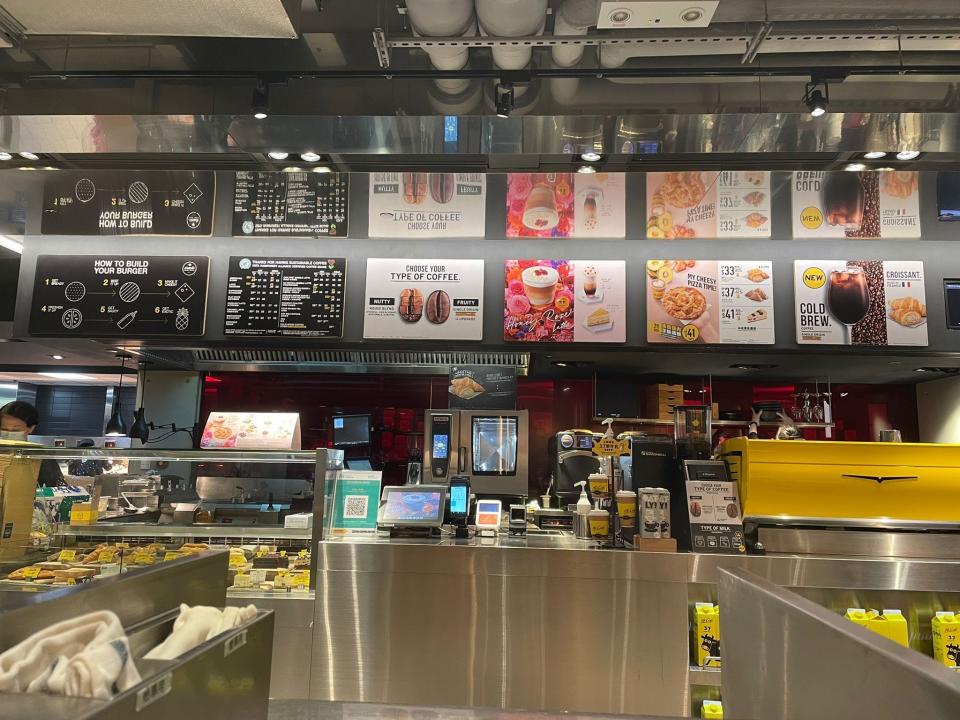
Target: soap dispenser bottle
581,520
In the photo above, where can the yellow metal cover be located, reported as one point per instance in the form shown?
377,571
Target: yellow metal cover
846,480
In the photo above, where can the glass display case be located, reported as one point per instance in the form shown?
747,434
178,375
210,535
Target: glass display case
136,507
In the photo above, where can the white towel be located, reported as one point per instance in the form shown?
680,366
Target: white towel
195,625
86,656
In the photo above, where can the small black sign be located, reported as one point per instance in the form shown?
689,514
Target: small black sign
119,296
713,508
482,387
290,204
117,202
291,297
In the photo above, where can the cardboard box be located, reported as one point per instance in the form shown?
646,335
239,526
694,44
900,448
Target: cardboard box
707,640
18,486
946,639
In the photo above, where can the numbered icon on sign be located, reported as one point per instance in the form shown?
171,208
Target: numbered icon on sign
690,333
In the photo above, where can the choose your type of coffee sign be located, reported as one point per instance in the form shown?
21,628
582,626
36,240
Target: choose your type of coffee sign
424,299
856,204
420,205
710,301
563,301
563,205
109,202
695,204
860,302
127,296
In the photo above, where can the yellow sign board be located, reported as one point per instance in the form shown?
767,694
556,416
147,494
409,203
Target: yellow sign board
611,447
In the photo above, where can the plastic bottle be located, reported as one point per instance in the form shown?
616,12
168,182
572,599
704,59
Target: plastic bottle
582,520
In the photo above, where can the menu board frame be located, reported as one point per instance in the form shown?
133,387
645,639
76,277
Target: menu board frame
427,205
566,205
111,203
285,278
246,220
129,296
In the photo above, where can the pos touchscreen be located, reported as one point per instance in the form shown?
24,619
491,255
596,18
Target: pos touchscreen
413,506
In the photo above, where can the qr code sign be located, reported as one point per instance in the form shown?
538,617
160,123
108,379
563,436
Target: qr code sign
355,507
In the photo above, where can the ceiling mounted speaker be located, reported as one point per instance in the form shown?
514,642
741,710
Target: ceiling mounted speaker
176,18
647,14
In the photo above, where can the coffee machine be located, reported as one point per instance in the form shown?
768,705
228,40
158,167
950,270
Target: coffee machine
573,461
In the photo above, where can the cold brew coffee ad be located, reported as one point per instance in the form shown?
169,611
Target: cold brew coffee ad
710,302
290,204
285,297
97,296
566,205
424,300
727,204
116,202
427,205
866,205
860,302
564,301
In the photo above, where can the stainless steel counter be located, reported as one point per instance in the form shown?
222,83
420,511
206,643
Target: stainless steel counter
553,624
319,710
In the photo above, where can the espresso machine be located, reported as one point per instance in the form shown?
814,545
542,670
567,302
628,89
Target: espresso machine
573,461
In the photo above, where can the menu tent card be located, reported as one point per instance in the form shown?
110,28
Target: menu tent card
120,202
355,500
856,204
696,204
290,297
563,301
251,431
290,204
119,296
424,299
860,302
419,205
710,301
482,387
566,205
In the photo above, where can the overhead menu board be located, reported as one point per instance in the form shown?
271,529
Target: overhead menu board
710,301
566,205
424,299
290,204
119,296
562,301
725,204
289,297
421,205
847,204
119,202
860,302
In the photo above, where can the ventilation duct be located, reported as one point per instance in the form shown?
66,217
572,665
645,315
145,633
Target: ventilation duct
512,18
575,17
445,18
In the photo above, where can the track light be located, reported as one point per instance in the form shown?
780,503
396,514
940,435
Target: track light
908,155
875,155
278,155
309,156
815,100
590,156
504,99
260,104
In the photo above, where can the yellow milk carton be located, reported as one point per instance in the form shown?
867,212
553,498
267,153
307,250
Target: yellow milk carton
712,709
707,623
890,623
946,639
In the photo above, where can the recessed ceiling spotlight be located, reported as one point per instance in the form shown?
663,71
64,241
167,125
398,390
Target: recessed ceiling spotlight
321,169
57,357
586,169
4,156
874,154
590,156
309,156
908,155
292,168
278,154
260,115
29,156
883,169
855,167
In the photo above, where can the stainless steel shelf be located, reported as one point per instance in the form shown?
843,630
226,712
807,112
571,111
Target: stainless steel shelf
307,457
245,532
713,423
705,676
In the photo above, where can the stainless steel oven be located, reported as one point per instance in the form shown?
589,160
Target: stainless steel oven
491,447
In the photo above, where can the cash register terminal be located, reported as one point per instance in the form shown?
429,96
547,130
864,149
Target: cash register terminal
412,510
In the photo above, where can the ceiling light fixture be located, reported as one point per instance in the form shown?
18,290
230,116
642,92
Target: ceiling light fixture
140,430
309,156
29,156
11,244
116,425
874,154
590,156
57,357
586,169
4,156
80,377
291,168
260,103
278,154
815,99
855,167
321,169
504,93
908,155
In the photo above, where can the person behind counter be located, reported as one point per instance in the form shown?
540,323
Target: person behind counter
18,419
